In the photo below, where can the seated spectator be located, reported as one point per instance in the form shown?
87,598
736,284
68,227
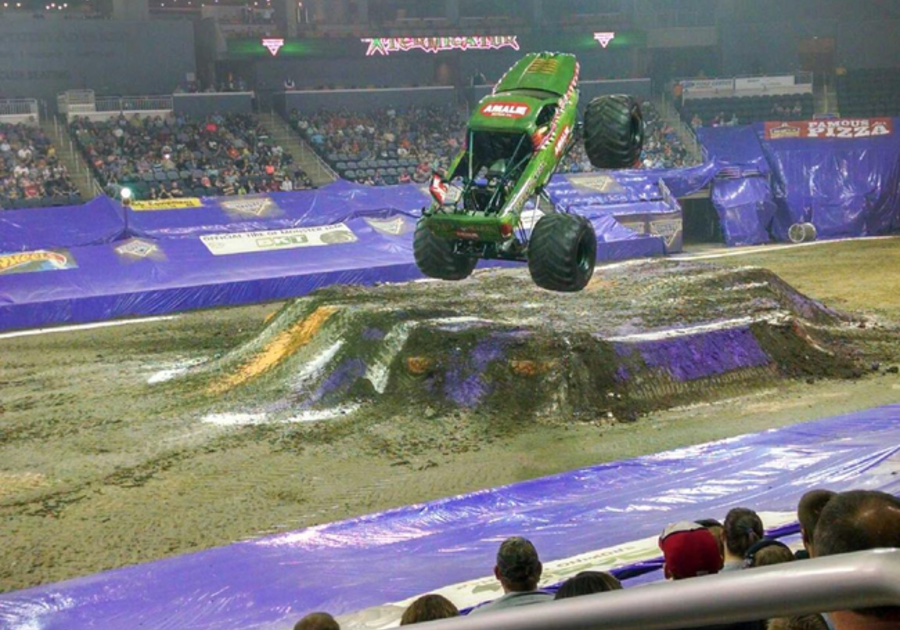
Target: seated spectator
217,154
429,608
317,621
743,528
767,552
715,528
518,570
29,167
689,550
588,583
857,521
808,511
390,142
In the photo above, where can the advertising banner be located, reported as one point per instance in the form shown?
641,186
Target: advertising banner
707,86
166,204
39,260
758,83
846,128
269,240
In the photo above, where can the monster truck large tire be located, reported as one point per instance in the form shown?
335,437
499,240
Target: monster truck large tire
613,131
562,252
436,259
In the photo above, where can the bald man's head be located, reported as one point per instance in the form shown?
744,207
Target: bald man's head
857,521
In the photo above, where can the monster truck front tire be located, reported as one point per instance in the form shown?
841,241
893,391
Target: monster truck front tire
562,252
613,131
436,259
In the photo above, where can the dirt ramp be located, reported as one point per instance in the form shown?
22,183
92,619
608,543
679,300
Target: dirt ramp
642,337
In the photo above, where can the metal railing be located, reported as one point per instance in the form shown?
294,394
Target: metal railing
19,107
75,101
859,580
134,103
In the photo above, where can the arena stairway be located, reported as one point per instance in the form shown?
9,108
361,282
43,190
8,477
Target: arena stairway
669,114
319,172
71,158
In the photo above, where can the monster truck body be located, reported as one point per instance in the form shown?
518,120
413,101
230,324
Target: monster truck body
515,139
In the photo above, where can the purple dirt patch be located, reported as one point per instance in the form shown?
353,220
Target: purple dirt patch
465,385
706,354
373,334
339,381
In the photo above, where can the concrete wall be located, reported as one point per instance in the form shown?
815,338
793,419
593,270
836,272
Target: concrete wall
771,47
39,58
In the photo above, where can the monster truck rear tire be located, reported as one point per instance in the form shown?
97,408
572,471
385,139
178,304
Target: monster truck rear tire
562,252
436,259
613,131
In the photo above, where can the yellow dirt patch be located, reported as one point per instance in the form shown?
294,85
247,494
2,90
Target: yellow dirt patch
12,483
531,368
282,346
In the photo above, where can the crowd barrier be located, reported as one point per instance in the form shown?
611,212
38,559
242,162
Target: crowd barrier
366,570
101,261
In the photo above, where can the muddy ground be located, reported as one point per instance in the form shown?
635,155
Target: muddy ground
100,469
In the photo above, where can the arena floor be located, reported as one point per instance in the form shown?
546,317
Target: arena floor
98,469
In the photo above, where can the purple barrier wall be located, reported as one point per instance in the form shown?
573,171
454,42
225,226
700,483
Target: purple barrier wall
371,560
97,221
846,187
92,263
746,208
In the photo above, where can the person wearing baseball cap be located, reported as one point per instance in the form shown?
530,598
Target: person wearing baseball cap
518,570
690,550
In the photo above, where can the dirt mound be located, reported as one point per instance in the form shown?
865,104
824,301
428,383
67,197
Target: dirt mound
643,336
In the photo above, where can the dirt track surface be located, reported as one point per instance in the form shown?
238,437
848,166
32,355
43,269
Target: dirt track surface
100,469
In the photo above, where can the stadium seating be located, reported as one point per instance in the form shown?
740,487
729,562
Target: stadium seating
391,147
874,92
30,173
180,156
384,147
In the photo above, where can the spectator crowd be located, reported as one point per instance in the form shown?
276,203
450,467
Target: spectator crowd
830,523
387,146
30,171
176,156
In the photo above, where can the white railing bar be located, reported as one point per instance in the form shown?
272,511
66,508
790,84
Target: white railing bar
851,581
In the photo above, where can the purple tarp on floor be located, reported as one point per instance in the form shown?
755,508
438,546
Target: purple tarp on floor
372,560
95,262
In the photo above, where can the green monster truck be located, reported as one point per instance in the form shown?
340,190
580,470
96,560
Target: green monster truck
485,205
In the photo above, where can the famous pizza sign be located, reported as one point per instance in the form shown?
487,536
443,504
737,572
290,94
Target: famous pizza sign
837,128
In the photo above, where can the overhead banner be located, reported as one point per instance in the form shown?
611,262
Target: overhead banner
846,128
387,45
271,240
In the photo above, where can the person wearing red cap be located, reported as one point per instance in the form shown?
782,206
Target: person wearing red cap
689,551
